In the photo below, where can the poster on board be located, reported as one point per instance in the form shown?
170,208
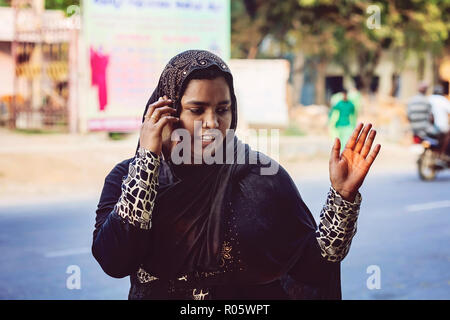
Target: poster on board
127,43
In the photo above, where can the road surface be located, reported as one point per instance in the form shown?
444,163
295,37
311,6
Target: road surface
401,247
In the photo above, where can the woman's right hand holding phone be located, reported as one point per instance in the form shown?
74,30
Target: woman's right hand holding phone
159,116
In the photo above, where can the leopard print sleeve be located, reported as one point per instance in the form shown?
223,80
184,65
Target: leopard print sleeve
337,226
139,189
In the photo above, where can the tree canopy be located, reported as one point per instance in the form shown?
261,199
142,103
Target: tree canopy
341,30
49,4
60,4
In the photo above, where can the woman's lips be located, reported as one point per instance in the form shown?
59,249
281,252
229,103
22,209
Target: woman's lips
207,139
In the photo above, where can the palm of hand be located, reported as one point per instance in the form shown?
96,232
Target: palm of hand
349,169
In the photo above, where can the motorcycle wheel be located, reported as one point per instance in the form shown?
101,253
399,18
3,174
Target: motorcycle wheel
427,170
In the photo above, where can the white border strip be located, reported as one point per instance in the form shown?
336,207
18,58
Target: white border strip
67,252
428,206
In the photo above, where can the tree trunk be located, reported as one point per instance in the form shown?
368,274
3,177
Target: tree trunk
320,81
366,79
367,62
421,67
297,77
436,60
253,52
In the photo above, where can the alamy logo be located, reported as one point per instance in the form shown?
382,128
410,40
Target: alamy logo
221,150
74,280
374,280
374,20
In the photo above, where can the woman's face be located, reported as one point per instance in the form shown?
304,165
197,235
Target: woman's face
206,103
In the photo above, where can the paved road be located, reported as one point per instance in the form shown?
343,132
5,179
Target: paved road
403,229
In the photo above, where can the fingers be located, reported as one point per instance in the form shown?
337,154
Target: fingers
156,115
352,141
362,138
162,115
149,112
164,121
373,154
335,151
368,144
158,104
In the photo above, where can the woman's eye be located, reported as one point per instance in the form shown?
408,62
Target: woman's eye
195,110
223,110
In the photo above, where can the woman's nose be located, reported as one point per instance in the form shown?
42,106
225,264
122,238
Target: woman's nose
210,121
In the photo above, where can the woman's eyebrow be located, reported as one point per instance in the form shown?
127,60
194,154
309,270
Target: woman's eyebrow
205,104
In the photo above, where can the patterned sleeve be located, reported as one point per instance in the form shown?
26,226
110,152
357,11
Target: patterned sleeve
337,226
139,189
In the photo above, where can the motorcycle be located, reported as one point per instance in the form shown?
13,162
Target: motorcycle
429,162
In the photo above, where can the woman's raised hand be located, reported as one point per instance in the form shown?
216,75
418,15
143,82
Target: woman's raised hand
348,170
158,116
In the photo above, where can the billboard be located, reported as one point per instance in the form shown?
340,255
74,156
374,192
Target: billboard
261,90
127,44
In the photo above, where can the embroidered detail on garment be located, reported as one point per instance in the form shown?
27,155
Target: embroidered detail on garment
199,295
139,189
145,277
183,278
226,263
226,252
337,226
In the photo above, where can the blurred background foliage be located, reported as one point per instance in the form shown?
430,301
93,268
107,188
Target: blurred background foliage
332,31
49,4
338,32
60,4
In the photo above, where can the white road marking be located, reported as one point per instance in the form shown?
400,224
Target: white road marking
428,206
67,252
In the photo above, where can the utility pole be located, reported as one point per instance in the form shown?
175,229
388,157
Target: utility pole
73,102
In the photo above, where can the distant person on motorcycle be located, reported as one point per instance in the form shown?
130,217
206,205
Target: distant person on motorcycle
420,114
441,109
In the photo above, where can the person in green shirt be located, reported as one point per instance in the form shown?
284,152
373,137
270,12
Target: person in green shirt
342,119
353,95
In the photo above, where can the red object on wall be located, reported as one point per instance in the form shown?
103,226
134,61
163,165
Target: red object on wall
99,64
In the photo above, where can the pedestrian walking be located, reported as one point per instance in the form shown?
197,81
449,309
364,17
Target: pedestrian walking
342,119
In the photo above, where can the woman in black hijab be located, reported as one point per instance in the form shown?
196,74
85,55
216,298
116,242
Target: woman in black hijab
223,230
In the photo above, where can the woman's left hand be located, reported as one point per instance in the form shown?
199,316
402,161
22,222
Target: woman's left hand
348,170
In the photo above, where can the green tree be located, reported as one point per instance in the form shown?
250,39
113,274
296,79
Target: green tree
254,20
49,4
60,4
338,31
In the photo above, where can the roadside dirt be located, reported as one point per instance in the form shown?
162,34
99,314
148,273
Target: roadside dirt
57,167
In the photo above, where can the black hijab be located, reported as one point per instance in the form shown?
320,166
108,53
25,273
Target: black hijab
189,215
275,229
191,212
175,76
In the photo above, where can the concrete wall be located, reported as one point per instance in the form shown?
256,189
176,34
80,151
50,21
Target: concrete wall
409,74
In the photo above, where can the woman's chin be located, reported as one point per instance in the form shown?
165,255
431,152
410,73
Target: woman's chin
199,158
206,143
